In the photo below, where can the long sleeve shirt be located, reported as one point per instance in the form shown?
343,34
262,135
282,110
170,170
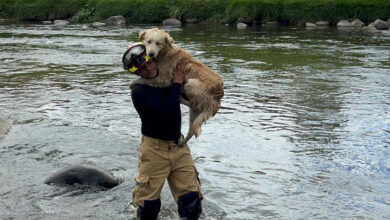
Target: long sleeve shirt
159,110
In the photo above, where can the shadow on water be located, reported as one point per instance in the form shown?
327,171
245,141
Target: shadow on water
303,131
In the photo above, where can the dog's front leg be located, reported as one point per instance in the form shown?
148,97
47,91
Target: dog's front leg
184,101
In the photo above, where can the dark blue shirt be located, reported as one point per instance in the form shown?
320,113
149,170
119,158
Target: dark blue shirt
159,110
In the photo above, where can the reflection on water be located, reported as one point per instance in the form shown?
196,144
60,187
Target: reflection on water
303,132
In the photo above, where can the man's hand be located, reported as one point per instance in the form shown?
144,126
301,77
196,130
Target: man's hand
178,76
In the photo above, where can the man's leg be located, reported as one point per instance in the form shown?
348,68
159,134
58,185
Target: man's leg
150,210
185,185
189,206
154,167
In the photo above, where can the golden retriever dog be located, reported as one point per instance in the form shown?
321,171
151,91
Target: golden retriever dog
202,86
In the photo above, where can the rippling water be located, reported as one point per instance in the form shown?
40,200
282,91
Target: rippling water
303,132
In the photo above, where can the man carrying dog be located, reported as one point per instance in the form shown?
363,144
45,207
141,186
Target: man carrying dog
159,156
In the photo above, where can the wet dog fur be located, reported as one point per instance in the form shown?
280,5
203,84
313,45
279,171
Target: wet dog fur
202,86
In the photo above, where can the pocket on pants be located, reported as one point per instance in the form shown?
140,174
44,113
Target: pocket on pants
139,191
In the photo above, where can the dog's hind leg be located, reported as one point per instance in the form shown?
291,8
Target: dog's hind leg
193,116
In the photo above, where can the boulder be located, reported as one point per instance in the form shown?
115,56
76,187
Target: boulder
61,22
322,24
344,24
388,23
98,24
357,23
116,20
380,25
171,22
242,25
310,25
47,22
191,20
84,27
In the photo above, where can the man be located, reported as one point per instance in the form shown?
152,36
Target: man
159,156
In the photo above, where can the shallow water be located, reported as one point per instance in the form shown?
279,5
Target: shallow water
303,132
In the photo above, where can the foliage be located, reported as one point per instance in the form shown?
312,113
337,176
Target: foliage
225,11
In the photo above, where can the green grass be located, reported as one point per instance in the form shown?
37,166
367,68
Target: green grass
220,11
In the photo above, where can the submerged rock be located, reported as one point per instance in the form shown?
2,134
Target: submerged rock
344,24
191,20
386,33
171,22
310,25
61,22
5,126
116,20
370,30
98,24
271,24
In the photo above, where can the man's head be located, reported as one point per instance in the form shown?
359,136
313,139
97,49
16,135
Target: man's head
136,61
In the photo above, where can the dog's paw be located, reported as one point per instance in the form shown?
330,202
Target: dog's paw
181,144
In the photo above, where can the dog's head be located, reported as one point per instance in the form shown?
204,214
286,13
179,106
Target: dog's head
156,41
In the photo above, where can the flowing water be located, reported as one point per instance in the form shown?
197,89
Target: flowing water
303,131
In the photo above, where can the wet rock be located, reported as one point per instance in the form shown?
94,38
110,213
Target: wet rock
388,23
191,20
357,23
116,20
370,29
242,25
126,35
344,24
5,126
84,27
61,22
171,22
98,24
310,25
386,33
380,25
83,174
322,24
47,22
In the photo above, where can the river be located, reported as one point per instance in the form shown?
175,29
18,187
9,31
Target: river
303,131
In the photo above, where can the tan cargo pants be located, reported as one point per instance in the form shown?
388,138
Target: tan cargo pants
159,160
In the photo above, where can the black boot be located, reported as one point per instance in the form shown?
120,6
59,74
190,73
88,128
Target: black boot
150,210
189,206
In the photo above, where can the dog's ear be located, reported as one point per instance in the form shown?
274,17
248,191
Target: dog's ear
141,36
168,40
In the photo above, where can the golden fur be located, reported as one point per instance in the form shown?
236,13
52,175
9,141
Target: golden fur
202,86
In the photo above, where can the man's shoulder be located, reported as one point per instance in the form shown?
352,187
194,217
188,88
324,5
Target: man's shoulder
140,87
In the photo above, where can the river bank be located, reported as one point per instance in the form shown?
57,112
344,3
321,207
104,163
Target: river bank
303,131
251,12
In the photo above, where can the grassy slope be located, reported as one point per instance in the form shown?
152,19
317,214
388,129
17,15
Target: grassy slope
225,11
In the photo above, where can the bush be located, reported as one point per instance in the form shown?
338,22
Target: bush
226,11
